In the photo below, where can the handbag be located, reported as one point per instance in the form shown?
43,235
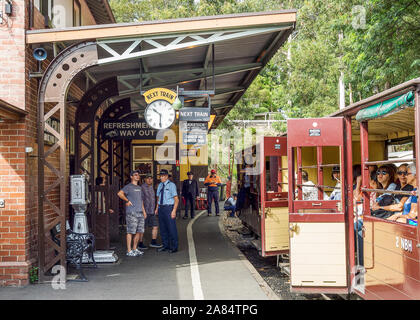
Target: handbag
381,213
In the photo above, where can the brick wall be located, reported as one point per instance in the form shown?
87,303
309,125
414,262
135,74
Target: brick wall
14,223
12,47
19,170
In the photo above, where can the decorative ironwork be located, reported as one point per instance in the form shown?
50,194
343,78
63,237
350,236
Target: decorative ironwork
53,89
159,44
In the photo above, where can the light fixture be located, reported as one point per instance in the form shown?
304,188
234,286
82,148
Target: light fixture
177,103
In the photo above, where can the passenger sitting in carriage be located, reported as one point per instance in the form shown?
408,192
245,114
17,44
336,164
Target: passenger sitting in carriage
374,184
409,212
335,175
387,204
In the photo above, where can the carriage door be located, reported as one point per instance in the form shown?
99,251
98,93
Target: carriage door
274,205
317,228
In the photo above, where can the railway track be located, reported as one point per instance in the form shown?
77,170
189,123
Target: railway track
275,271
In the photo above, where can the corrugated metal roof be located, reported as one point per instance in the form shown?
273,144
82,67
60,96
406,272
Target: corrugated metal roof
237,60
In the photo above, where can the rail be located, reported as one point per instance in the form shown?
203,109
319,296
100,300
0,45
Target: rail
329,165
316,186
371,163
407,193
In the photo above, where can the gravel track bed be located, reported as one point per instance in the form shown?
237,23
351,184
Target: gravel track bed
278,281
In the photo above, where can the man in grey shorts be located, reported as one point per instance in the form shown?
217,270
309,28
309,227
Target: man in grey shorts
135,213
149,202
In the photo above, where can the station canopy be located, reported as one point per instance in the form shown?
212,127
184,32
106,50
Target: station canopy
177,52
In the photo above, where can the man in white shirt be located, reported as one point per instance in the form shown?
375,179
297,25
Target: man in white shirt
309,191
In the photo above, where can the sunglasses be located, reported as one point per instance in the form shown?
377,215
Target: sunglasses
402,173
381,173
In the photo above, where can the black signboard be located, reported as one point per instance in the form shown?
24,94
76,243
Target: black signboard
127,129
194,114
194,126
194,138
314,132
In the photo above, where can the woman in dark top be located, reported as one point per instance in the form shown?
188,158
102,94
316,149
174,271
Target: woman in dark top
398,200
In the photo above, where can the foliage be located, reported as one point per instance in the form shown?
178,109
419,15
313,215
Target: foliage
33,274
379,49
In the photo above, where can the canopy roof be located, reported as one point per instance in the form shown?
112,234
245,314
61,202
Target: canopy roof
179,52
394,120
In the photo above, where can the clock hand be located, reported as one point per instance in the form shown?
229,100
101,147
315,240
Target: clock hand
156,112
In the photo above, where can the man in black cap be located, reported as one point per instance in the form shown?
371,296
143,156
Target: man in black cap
167,203
135,213
190,193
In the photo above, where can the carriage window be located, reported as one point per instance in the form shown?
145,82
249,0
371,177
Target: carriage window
318,173
271,173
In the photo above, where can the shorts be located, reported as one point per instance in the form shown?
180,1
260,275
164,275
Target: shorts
135,222
151,220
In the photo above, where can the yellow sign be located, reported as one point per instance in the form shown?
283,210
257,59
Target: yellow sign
159,94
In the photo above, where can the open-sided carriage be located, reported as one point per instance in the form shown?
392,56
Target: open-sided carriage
262,193
325,255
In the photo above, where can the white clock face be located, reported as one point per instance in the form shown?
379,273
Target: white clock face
159,114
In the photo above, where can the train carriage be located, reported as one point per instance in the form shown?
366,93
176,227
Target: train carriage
262,197
325,255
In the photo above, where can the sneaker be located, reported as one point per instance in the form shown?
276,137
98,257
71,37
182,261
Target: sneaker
185,217
132,253
142,247
155,245
138,252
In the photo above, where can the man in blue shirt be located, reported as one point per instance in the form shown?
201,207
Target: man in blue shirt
167,203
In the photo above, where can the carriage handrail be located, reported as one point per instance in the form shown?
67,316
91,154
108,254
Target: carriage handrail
408,193
328,165
317,186
370,163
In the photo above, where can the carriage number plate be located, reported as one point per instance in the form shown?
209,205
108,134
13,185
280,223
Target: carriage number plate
405,244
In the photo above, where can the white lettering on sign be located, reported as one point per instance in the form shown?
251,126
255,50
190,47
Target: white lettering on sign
405,244
125,125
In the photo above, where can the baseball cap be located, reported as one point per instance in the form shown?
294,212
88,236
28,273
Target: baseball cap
213,171
133,172
149,175
164,172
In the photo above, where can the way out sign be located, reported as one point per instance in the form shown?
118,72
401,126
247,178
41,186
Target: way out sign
127,129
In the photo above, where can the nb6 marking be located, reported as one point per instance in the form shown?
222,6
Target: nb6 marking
405,244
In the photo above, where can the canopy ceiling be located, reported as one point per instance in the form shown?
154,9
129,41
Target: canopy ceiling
179,52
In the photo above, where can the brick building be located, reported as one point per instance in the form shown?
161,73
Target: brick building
18,122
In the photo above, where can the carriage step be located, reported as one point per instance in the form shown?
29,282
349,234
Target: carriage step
285,267
257,244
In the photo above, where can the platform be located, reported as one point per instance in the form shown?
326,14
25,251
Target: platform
163,276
